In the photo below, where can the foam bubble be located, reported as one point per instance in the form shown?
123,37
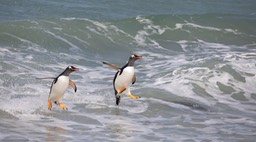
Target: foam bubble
142,38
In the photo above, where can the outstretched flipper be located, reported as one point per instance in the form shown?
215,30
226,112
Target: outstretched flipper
46,78
115,67
73,85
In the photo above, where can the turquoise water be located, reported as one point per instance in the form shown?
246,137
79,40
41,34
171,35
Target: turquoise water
196,79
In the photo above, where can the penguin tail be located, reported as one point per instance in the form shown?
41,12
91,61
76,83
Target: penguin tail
118,98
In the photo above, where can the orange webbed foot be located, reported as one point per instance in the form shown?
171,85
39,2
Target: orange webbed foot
64,107
49,104
133,96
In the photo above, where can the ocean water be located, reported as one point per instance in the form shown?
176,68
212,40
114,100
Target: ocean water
196,79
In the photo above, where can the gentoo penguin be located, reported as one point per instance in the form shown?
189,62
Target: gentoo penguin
124,78
59,87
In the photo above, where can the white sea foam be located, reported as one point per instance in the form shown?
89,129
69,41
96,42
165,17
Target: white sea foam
202,27
170,75
142,38
26,105
150,26
187,25
183,26
232,31
77,38
62,39
200,45
101,29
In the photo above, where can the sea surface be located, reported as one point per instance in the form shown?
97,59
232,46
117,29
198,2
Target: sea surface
197,77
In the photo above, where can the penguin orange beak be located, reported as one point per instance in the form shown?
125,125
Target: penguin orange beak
74,68
138,57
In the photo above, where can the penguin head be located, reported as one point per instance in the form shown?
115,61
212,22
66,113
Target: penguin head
68,70
133,58
136,57
72,68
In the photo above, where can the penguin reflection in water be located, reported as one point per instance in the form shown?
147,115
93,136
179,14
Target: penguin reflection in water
59,86
124,78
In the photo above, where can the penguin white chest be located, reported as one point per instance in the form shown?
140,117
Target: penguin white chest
125,79
59,88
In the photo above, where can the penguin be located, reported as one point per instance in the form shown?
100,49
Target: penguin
59,86
124,78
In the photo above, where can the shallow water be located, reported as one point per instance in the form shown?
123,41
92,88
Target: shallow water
196,79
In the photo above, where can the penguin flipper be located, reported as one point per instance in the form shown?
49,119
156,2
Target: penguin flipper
133,79
115,67
73,85
46,78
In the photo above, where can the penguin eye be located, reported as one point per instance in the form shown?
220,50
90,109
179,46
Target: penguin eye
71,67
132,56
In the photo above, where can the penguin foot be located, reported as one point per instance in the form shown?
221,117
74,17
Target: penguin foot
133,96
49,104
64,107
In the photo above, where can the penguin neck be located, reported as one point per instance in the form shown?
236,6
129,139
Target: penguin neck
66,72
130,62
